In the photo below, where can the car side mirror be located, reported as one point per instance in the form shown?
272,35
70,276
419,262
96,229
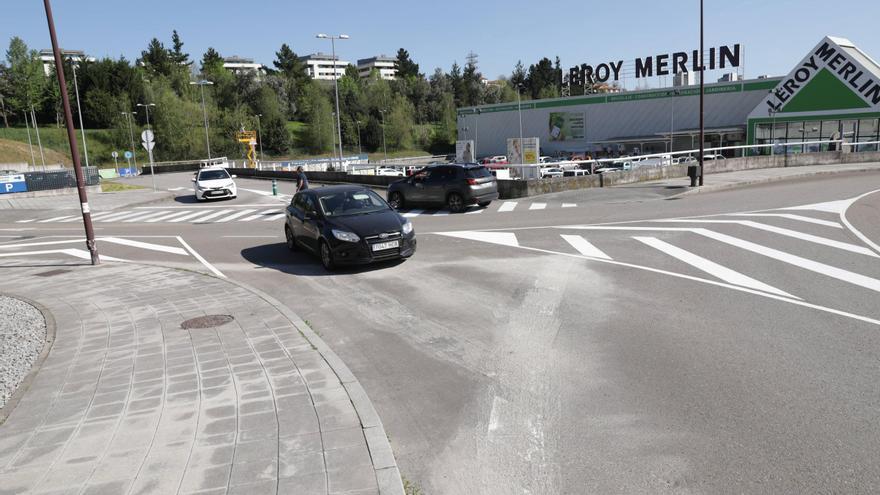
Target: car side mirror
193,179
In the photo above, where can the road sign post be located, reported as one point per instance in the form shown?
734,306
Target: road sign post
148,143
115,156
128,156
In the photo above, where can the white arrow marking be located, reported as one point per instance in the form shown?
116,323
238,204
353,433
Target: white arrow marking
144,245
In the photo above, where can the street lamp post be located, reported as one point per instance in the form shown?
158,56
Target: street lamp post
71,138
702,94
333,39
201,84
128,118
39,141
772,112
519,109
384,148
476,131
82,128
260,135
147,144
358,123
673,93
30,144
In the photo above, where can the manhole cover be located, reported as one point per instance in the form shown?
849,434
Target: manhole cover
209,321
51,273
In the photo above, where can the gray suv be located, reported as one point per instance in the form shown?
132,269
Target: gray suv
455,186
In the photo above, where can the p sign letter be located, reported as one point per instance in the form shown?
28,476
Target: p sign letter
12,184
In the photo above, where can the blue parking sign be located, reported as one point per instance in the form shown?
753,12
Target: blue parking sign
12,184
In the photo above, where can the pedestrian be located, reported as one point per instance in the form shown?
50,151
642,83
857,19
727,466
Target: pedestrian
302,182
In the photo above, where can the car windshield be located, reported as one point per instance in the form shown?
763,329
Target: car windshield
213,174
351,203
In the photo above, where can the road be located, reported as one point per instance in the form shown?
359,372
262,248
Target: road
616,340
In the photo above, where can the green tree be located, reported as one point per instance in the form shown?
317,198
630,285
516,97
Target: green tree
26,80
405,66
211,60
156,58
319,117
399,124
177,54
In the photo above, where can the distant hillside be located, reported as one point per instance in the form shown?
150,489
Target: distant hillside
19,152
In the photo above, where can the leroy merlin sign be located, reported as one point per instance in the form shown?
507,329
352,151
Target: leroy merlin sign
834,76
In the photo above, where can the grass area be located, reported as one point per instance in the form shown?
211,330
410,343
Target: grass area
298,129
99,141
12,151
110,186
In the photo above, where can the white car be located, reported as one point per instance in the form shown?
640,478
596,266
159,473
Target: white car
551,172
389,172
214,183
706,158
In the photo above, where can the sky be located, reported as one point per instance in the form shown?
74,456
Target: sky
775,34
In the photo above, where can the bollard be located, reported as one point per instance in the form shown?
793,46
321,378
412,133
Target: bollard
274,187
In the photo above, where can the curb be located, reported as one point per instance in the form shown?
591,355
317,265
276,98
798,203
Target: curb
25,384
766,180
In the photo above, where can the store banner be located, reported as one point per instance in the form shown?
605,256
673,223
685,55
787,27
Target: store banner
567,126
12,184
525,153
464,152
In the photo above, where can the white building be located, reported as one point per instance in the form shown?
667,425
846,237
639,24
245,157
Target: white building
241,65
383,63
75,56
323,66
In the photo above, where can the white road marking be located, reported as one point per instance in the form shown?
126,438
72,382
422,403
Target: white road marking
441,213
141,216
123,215
807,264
26,221
212,215
789,216
413,213
854,230
189,216
59,218
199,257
569,205
258,215
225,204
502,238
507,206
475,212
178,189
584,247
830,207
77,253
786,232
710,267
144,245
235,215
537,206
274,217
166,217
494,422
45,243
256,191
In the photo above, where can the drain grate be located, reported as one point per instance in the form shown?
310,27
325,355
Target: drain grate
209,321
51,273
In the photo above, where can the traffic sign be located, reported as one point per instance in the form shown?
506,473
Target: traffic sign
114,154
128,155
147,135
148,145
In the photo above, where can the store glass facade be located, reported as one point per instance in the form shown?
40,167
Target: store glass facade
794,134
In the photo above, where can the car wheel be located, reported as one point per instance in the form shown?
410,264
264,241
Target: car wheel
288,235
326,256
455,202
396,200
484,204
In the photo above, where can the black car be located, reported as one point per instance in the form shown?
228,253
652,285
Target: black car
347,225
455,186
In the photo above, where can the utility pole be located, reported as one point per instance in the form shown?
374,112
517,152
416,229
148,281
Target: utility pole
147,144
519,107
30,144
71,138
260,135
702,95
201,84
82,129
39,141
333,39
128,117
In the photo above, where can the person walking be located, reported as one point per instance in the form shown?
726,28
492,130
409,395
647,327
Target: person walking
302,182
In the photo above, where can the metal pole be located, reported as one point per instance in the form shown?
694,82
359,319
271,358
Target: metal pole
702,93
672,123
150,151
82,128
336,91
30,144
116,165
205,114
519,106
71,138
39,141
360,151
384,148
128,118
476,132
260,135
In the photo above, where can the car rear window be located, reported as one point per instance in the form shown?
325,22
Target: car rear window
477,172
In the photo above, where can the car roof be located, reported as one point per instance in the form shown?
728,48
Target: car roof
341,188
213,167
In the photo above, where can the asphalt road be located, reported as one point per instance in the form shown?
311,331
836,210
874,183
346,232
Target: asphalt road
598,341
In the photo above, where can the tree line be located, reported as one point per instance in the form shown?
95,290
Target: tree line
414,110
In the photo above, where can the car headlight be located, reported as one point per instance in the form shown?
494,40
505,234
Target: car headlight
202,188
407,228
346,236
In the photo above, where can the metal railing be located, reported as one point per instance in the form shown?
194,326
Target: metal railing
60,179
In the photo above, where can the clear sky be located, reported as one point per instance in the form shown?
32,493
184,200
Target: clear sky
776,34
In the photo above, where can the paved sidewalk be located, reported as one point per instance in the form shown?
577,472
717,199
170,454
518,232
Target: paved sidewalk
127,401
97,201
731,180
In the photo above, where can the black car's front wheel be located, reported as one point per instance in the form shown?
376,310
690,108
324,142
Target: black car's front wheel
288,235
326,256
395,200
455,203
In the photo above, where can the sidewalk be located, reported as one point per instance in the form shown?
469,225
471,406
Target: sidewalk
97,201
128,401
731,180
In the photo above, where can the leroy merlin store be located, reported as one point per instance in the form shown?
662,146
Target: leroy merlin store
832,94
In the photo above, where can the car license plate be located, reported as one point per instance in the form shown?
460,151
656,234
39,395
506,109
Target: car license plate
379,246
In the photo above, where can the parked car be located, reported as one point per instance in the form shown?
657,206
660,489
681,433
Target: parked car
455,186
214,183
494,160
549,172
389,172
707,158
347,225
576,173
684,160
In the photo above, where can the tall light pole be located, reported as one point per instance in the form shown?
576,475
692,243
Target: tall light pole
149,148
201,84
772,113
384,148
476,131
519,108
128,117
333,39
71,138
82,128
702,94
260,135
673,94
39,141
358,122
30,144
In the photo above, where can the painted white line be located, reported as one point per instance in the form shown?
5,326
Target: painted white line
252,236
235,215
538,206
259,215
178,189
710,267
46,243
584,247
413,213
494,421
475,212
786,232
682,276
507,206
274,217
189,216
166,217
807,264
830,207
95,216
789,216
77,253
502,238
856,231
26,221
199,257
141,216
55,219
121,215
255,191
440,213
206,206
212,215
144,245
569,205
